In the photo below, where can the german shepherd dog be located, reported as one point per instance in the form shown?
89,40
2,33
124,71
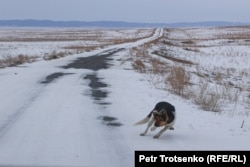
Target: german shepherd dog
163,114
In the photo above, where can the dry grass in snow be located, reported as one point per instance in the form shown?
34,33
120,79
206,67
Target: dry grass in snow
208,66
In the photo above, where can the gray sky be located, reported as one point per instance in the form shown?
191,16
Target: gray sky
154,11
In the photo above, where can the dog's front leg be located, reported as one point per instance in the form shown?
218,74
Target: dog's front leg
144,133
150,123
160,133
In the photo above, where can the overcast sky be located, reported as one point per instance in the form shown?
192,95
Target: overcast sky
154,11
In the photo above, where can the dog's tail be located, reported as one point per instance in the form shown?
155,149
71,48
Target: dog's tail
145,120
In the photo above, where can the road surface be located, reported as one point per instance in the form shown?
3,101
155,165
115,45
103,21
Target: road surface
57,113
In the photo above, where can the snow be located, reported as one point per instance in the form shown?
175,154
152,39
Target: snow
60,124
40,42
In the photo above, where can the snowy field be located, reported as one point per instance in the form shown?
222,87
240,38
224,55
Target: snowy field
44,43
54,114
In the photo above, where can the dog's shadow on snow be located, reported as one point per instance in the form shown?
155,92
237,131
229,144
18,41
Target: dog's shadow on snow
174,136
169,135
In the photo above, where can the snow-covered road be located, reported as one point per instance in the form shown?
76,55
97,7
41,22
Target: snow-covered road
51,116
66,113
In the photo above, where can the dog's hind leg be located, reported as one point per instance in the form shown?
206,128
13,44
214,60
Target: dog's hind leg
150,123
161,132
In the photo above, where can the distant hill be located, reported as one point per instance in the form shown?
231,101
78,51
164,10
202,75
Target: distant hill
50,23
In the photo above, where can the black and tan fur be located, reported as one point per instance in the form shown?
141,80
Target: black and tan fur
163,115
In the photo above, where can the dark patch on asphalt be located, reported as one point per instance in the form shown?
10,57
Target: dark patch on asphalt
54,76
95,62
104,103
109,121
97,87
97,91
94,82
99,94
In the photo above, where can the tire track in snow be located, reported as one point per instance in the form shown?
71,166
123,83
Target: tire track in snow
16,114
13,117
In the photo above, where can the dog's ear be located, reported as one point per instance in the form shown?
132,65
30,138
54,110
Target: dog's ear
155,113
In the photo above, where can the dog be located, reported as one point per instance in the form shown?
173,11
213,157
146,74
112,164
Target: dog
163,115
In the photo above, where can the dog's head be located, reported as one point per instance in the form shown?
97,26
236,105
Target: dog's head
160,118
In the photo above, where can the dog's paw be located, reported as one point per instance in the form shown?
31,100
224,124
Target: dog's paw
156,137
171,128
142,134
